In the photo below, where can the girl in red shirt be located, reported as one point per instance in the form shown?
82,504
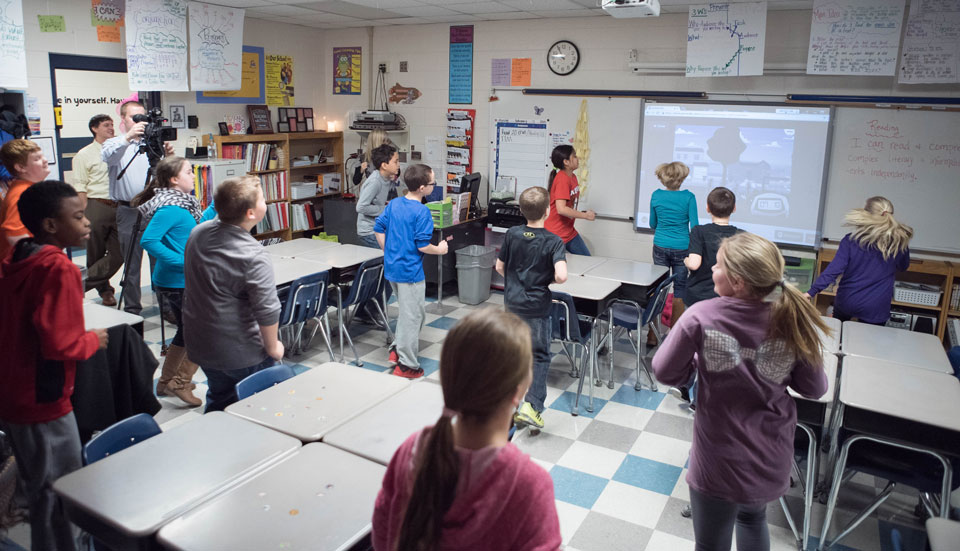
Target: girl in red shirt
564,195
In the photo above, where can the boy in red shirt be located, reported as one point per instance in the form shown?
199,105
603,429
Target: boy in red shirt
42,337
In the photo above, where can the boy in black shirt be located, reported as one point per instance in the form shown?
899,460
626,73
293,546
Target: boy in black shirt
530,259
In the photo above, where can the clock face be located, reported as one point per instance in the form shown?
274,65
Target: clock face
563,57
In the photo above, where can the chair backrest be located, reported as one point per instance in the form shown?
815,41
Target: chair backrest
120,436
659,298
367,284
307,298
563,314
263,379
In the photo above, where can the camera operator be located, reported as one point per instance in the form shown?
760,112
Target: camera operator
122,153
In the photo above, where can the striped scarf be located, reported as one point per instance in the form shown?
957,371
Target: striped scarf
168,196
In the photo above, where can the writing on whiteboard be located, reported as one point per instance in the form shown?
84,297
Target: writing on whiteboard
854,37
879,150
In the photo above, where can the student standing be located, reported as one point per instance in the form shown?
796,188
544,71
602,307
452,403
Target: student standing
564,196
672,213
27,165
42,337
746,347
868,258
373,194
530,259
366,167
403,232
462,485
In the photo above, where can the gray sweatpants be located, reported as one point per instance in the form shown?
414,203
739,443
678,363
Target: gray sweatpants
412,305
714,520
126,219
45,452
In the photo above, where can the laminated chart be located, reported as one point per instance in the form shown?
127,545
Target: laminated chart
931,44
726,39
157,45
854,37
216,47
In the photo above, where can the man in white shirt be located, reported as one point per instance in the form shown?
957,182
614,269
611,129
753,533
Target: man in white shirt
92,182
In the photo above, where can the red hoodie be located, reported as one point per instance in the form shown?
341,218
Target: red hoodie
41,335
504,501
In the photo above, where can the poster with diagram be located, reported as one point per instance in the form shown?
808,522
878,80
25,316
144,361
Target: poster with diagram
726,40
157,45
931,43
279,80
13,56
346,71
216,47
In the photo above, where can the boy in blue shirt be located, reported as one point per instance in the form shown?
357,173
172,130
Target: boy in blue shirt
403,232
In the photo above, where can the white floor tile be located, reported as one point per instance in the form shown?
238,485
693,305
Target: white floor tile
681,490
432,352
571,517
631,504
563,424
662,541
601,391
591,459
624,415
673,406
661,448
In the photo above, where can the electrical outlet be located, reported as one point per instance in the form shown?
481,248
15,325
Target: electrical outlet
632,56
384,67
403,66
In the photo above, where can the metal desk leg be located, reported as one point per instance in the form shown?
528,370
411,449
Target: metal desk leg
811,483
340,319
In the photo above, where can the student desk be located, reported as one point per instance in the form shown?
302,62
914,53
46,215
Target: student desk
125,498
297,246
286,270
319,498
578,264
628,272
894,345
590,297
317,401
943,534
831,343
98,316
377,433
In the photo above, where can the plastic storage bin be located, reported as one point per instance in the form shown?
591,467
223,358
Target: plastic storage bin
474,272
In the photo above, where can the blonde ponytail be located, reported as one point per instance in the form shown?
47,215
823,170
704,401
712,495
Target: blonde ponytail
758,263
875,226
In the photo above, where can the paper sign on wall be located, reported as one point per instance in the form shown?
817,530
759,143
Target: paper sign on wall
216,49
347,65
13,57
726,39
52,23
931,44
106,13
157,44
854,37
280,80
520,69
460,89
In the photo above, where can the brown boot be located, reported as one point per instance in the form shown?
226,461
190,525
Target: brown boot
182,386
676,312
171,364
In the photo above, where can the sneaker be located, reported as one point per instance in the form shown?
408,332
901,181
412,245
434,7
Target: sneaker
527,415
393,357
686,512
680,392
407,372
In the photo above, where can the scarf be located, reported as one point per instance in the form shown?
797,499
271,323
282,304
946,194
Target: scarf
166,196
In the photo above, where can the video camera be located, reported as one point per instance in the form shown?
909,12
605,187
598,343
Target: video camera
155,134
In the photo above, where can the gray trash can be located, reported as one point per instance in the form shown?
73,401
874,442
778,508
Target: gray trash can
474,272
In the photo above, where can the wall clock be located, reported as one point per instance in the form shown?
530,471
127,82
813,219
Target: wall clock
563,57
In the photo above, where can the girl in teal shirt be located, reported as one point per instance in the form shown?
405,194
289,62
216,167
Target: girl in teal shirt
672,213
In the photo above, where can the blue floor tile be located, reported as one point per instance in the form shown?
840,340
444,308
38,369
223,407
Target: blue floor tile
648,474
565,402
376,367
443,323
428,366
300,368
575,487
646,399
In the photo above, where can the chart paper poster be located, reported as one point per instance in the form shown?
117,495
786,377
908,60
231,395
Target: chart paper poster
520,69
854,37
280,80
13,56
347,64
726,40
500,72
157,45
931,43
216,47
460,88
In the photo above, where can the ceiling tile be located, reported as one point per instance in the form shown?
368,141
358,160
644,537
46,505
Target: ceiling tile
456,18
531,5
387,4
341,7
281,11
425,11
401,21
243,3
569,13
320,17
506,16
480,7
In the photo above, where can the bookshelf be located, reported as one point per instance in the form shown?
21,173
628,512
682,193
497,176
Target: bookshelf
938,273
277,178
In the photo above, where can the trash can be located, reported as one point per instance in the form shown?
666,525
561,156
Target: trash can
474,271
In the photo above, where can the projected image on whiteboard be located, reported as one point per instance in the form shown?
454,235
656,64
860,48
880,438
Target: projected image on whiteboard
771,157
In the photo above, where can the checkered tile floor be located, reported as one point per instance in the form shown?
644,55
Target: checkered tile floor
619,472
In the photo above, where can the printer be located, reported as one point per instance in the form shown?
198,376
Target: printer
504,213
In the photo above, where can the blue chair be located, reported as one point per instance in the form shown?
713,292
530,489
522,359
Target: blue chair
896,540
120,436
262,380
366,286
630,317
306,299
569,328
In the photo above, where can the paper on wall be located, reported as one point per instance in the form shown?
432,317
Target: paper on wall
931,43
726,39
13,55
854,37
216,47
157,44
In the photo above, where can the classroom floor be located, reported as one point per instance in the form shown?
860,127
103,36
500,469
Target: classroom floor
619,475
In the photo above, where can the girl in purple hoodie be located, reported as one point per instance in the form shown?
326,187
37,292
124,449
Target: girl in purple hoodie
462,485
746,346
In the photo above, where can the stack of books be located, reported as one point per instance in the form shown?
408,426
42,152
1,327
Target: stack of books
274,185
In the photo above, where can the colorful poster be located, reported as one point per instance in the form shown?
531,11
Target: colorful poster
32,109
500,72
157,45
726,40
520,68
216,47
279,80
931,45
855,37
346,71
52,24
108,34
13,56
252,82
461,64
106,13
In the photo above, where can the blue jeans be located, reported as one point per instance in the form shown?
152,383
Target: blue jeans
173,301
577,246
673,258
221,384
540,332
371,241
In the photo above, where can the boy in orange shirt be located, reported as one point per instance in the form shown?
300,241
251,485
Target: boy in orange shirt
26,163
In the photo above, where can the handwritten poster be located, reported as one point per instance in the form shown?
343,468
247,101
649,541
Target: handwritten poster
500,72
347,65
157,44
461,64
931,44
52,23
279,80
216,47
520,69
251,82
106,13
108,34
725,40
855,37
13,56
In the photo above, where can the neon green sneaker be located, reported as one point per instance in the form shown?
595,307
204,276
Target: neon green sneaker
527,415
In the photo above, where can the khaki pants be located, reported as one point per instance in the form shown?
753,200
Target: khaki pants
104,256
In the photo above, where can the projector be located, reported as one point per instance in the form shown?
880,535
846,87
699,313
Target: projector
632,8
384,117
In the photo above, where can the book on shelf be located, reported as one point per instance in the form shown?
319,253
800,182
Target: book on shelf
258,156
304,216
955,297
276,218
275,186
953,331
